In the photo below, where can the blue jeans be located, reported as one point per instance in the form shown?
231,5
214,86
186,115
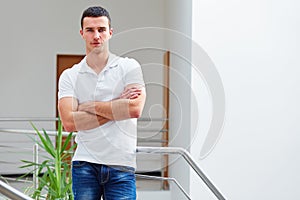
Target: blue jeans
92,181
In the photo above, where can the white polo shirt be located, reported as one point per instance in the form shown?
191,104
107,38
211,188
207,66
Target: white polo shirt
113,143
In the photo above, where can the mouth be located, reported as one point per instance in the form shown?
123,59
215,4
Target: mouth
96,44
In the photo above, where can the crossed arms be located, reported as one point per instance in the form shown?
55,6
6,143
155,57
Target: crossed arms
92,114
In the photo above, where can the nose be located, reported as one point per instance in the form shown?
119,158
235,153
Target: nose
97,35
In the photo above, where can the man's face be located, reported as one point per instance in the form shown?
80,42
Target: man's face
96,33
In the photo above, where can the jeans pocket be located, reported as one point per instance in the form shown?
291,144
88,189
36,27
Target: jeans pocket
123,168
78,163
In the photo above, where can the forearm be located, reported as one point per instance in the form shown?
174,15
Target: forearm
85,121
74,120
129,106
114,110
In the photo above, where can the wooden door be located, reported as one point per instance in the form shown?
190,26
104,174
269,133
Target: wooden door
63,62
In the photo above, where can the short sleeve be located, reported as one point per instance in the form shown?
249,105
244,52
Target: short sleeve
65,85
133,72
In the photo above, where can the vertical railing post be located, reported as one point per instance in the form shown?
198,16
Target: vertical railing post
35,167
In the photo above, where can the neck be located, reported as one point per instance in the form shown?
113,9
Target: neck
97,60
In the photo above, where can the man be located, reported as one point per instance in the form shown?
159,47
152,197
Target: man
100,98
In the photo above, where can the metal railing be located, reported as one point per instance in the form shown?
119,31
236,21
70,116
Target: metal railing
8,190
12,193
165,179
187,156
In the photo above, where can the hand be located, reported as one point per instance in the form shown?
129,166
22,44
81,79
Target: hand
87,106
131,93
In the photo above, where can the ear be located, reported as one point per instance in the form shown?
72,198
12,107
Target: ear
81,32
111,32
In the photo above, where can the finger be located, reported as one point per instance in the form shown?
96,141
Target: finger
129,93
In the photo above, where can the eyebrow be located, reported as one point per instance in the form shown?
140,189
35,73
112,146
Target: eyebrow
100,27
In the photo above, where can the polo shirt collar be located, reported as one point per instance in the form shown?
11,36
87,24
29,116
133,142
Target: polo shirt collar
111,63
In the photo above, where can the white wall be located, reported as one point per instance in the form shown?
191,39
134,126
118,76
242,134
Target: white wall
253,44
255,47
178,21
34,32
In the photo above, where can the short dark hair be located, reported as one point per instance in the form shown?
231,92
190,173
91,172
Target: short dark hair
95,11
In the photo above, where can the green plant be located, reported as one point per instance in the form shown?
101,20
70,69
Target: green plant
54,181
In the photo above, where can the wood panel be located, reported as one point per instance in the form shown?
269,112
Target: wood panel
63,62
166,124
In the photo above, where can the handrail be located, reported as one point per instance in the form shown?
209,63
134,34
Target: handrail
154,150
27,119
164,179
32,132
54,133
12,193
53,119
186,155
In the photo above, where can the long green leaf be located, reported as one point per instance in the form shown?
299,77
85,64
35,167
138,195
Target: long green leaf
58,157
43,165
45,143
52,179
48,139
55,170
29,164
68,139
42,185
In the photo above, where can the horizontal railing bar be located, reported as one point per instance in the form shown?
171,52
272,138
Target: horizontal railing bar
152,130
20,119
152,140
15,149
54,133
32,132
164,179
12,193
186,155
6,162
51,132
142,119
16,179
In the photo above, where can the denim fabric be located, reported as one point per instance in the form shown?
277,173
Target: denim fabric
93,181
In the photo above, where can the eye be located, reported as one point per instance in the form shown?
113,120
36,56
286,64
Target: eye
102,29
